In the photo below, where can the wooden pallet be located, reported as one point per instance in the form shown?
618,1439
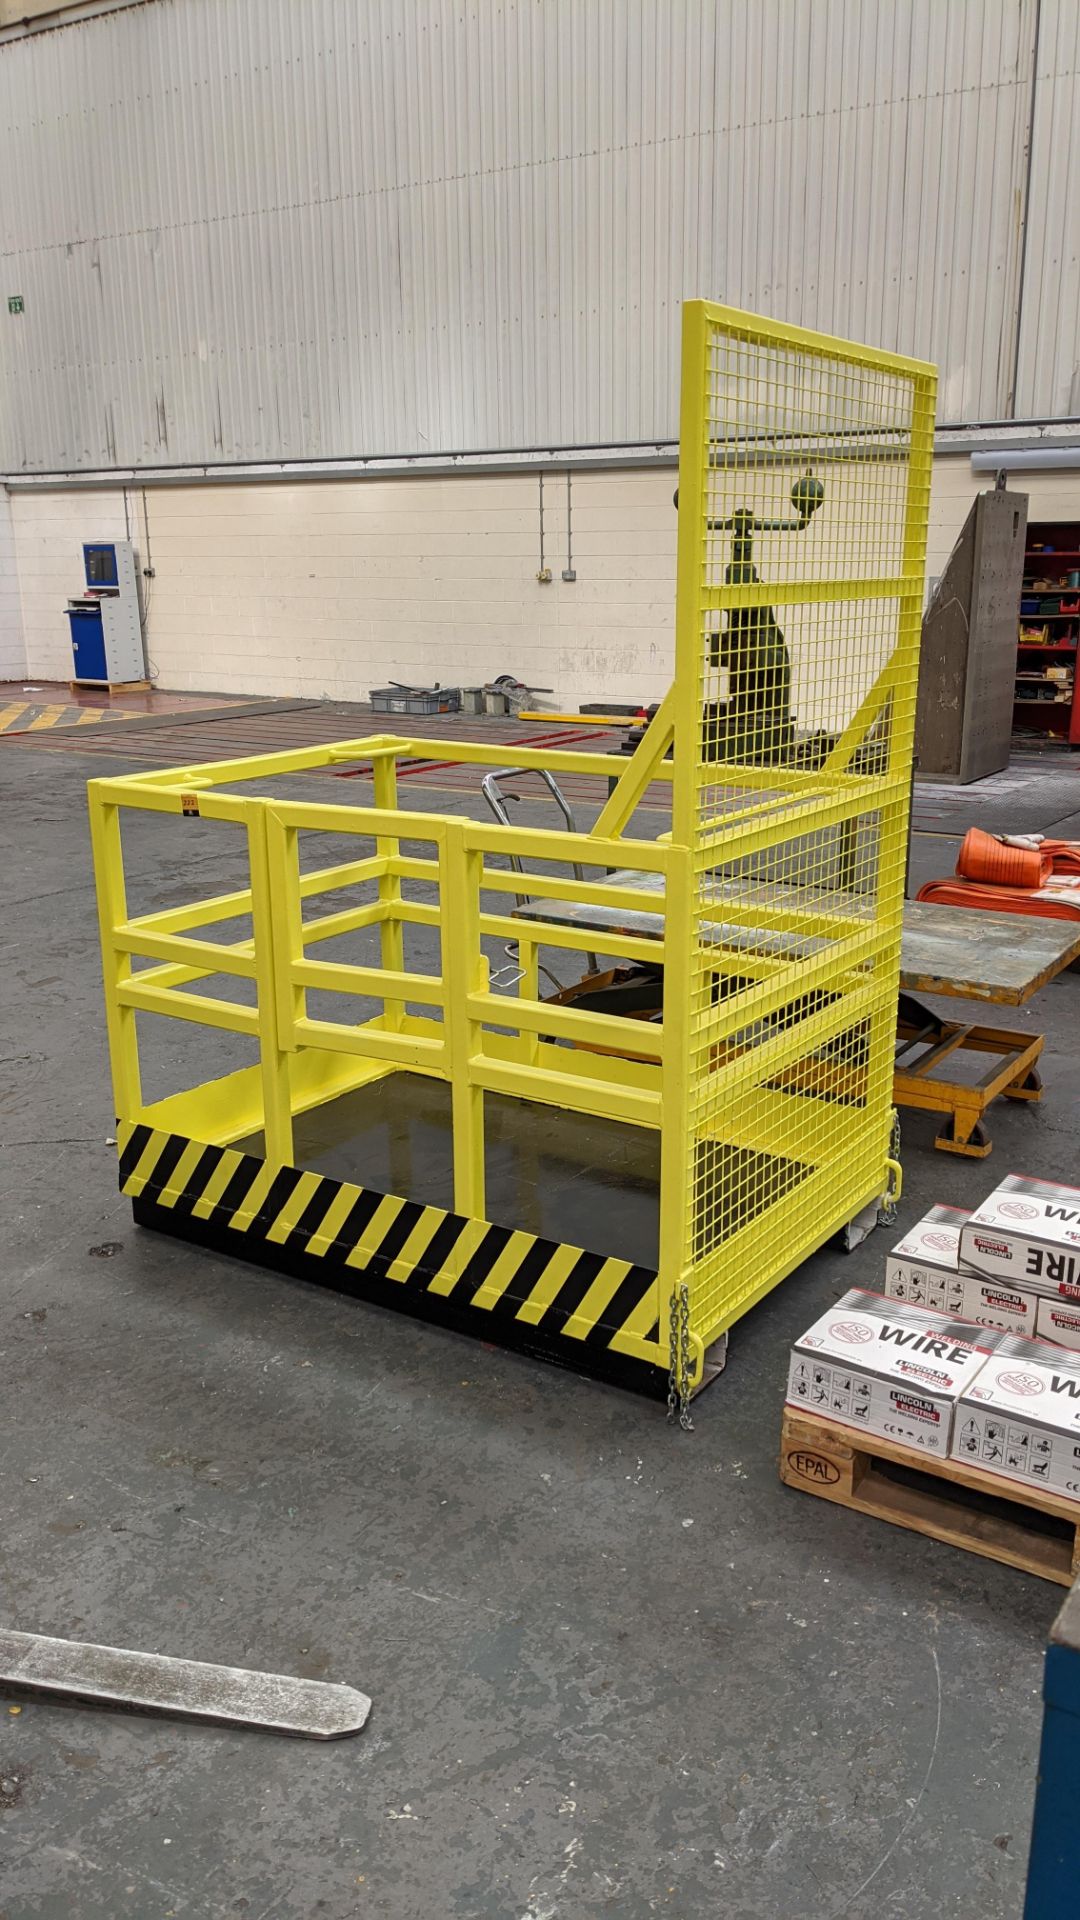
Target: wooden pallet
943,1499
112,686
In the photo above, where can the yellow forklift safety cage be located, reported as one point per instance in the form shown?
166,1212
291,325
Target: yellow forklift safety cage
773,907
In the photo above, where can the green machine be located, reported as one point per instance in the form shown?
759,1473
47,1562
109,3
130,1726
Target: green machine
754,724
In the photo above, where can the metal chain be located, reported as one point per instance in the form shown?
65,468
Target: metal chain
887,1210
681,1370
685,1421
673,1350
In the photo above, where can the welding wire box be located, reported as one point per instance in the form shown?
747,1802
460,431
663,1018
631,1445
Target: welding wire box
1058,1321
888,1368
924,1269
1020,1417
1027,1231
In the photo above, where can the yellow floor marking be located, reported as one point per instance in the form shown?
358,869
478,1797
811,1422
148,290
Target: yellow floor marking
54,714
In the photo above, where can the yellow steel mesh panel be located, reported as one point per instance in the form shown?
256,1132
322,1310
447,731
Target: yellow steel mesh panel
804,483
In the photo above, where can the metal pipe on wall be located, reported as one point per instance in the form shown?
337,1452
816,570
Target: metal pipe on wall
1026,459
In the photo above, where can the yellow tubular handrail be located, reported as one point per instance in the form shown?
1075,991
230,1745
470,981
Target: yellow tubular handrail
785,742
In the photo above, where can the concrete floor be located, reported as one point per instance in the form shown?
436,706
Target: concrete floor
616,1670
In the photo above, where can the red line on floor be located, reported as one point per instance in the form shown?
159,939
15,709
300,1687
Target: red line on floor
563,739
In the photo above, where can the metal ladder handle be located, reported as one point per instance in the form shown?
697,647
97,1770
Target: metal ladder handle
496,799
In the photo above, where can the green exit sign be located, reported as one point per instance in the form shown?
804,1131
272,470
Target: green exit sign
15,303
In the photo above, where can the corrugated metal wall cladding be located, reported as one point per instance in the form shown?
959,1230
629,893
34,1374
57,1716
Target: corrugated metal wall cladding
1048,373
250,229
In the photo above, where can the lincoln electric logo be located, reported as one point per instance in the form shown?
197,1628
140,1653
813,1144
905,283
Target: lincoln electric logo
915,1408
1019,1209
855,1332
930,1374
1025,1384
999,1248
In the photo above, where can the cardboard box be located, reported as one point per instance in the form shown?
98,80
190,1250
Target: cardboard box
888,1368
924,1269
997,1303
1020,1417
1028,1231
1058,1321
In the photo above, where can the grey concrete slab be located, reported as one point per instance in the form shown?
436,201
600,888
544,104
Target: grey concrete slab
1067,828
615,1670
1027,797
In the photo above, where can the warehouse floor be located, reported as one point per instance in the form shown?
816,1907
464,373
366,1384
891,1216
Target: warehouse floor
615,1669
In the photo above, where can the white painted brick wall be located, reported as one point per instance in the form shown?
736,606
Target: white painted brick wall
335,587
12,644
331,588
49,531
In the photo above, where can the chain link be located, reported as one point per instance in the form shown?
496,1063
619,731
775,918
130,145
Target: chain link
681,1370
673,1350
887,1210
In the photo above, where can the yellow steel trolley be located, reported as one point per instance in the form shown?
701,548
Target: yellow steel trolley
786,744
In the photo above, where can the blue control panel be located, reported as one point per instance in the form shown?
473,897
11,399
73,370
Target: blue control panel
99,565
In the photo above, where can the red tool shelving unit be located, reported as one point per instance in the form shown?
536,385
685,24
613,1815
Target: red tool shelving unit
1048,632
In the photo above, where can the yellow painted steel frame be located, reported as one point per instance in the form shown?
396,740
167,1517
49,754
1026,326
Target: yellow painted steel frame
769,1080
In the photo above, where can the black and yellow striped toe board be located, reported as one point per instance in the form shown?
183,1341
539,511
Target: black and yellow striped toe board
594,1314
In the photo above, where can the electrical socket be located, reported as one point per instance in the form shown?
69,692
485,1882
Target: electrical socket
544,576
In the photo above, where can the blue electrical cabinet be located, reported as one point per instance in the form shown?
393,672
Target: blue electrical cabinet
105,621
87,644
1053,1889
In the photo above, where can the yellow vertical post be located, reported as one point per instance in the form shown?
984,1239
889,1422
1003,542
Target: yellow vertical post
273,1060
286,916
916,518
116,966
680,926
391,931
464,971
529,989
895,818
